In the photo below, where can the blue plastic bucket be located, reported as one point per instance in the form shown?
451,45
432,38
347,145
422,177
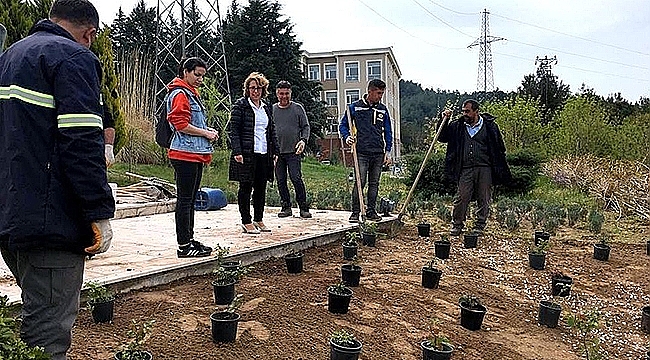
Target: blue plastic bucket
210,199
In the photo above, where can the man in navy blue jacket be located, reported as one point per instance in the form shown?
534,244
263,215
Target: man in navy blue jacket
55,201
374,138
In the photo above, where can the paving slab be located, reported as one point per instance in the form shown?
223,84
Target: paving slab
143,250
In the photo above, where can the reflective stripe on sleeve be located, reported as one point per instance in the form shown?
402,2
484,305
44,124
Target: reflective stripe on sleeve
26,95
79,120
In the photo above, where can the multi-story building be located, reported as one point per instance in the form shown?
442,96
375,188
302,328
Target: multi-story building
345,75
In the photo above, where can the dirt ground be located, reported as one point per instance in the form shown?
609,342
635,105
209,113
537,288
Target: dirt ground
285,316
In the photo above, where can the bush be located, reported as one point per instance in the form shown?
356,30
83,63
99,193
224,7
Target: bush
432,182
525,166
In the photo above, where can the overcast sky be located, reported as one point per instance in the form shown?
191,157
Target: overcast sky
604,44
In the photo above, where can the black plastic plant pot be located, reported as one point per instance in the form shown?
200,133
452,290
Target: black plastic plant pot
541,236
338,303
369,239
294,263
537,261
556,285
224,326
223,293
472,318
470,241
645,319
647,247
349,251
350,275
601,252
341,352
424,230
549,314
103,311
133,354
647,355
431,353
430,277
442,249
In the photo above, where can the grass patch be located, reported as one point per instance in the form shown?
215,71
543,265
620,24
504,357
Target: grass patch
547,191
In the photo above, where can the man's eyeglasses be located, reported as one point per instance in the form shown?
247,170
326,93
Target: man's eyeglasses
254,88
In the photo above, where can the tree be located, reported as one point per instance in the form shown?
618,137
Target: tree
19,16
259,38
544,87
136,31
103,48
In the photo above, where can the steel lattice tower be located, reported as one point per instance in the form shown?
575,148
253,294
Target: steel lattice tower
485,81
184,27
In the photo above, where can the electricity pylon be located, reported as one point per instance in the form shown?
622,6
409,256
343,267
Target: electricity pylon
485,81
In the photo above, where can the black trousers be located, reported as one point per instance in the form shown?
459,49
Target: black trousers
257,187
473,181
188,180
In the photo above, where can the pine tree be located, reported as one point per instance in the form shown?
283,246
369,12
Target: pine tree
19,16
259,38
103,48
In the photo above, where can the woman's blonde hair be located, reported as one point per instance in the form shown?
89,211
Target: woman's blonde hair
261,82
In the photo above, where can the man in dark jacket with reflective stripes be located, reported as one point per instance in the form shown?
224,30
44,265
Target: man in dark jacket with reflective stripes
475,160
55,201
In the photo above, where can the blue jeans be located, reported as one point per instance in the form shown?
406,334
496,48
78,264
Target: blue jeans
188,179
370,172
290,162
50,283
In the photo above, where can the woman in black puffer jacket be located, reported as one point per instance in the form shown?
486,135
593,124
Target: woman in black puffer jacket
254,150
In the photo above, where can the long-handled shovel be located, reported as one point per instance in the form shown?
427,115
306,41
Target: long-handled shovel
357,174
3,37
417,178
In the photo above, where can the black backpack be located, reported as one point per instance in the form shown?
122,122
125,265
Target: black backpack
164,131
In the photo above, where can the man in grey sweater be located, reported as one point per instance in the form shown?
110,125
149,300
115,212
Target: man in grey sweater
292,129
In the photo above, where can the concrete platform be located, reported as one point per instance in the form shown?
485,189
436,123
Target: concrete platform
143,250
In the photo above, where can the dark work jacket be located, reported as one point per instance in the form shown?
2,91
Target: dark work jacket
453,135
52,169
241,131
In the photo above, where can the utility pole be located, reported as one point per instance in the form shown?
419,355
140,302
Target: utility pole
545,65
199,20
485,81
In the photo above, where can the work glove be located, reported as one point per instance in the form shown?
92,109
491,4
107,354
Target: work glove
108,153
300,147
102,236
350,140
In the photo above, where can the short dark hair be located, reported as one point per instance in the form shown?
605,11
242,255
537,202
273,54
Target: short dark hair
473,103
283,84
78,12
376,84
190,64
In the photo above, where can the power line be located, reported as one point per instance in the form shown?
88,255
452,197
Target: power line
408,33
452,10
573,36
442,21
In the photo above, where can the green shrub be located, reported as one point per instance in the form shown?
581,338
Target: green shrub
524,166
432,181
11,346
596,219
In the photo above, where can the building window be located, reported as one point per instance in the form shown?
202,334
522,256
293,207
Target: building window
330,71
314,72
374,69
332,98
352,71
351,96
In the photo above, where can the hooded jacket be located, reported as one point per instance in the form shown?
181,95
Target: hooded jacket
53,171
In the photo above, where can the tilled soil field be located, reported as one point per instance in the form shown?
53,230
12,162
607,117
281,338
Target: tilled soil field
285,316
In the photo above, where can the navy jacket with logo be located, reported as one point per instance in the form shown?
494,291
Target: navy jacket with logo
373,127
52,166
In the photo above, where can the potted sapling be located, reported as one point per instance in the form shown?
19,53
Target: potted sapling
139,333
472,312
338,298
537,255
431,275
562,291
294,262
101,301
224,322
442,247
423,225
350,245
550,311
586,325
437,345
351,273
369,233
224,283
344,346
602,247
